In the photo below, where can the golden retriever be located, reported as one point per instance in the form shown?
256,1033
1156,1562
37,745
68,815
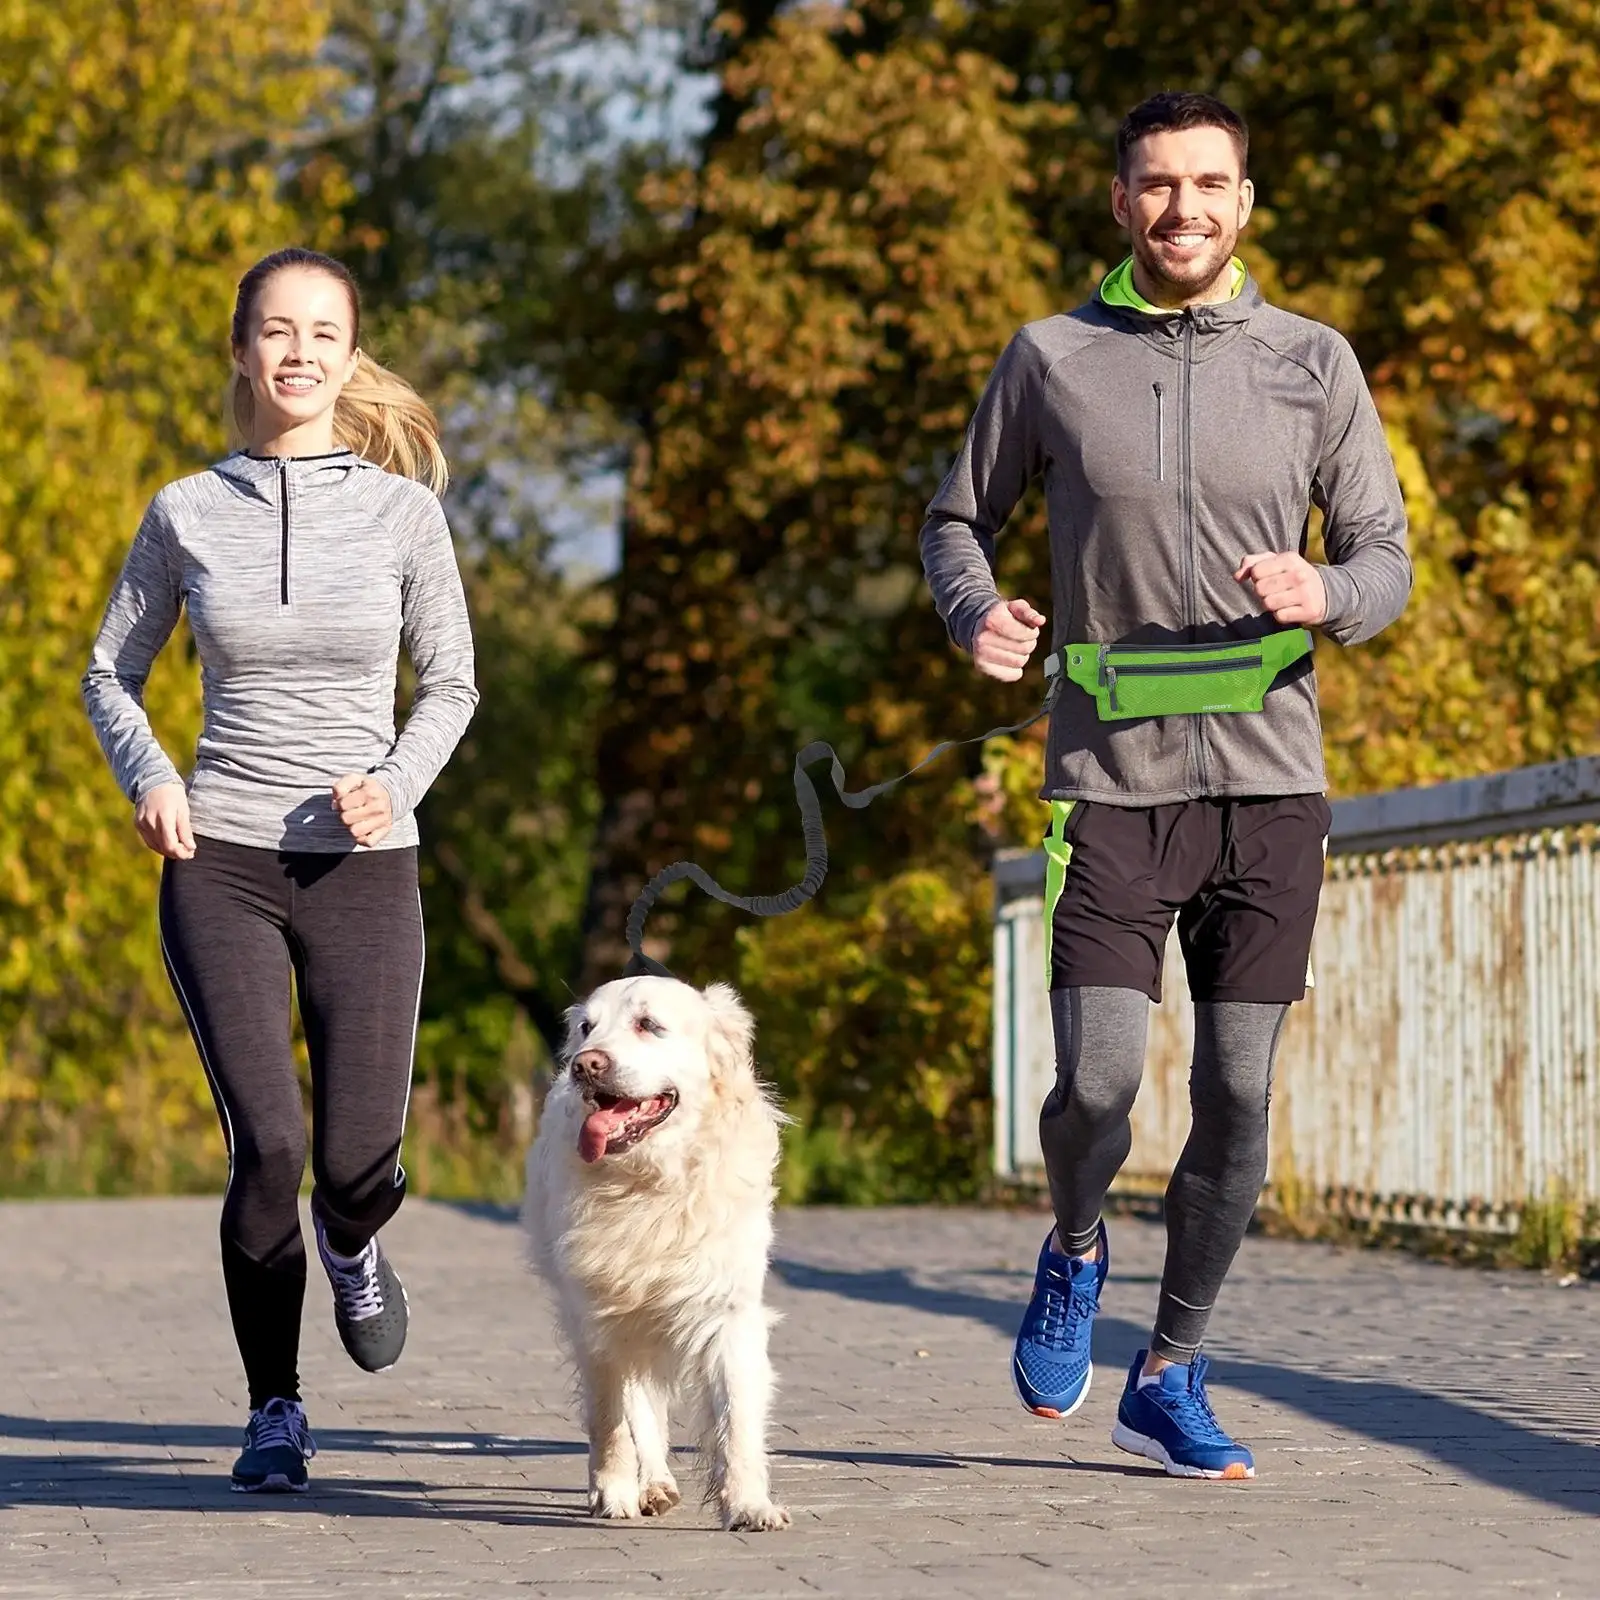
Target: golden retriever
649,1211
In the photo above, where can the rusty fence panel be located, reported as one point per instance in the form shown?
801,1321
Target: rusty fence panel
1444,1068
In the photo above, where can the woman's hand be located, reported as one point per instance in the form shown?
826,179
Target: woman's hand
162,820
364,807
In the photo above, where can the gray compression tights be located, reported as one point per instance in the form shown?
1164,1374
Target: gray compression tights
1083,1128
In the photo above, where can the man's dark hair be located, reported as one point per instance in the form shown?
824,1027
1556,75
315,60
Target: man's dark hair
1170,112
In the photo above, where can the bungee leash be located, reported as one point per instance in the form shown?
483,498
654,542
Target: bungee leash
1126,682
805,793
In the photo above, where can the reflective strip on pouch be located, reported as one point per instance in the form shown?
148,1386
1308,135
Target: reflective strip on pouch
1057,854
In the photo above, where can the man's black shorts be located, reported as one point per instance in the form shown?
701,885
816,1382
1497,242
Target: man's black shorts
1243,878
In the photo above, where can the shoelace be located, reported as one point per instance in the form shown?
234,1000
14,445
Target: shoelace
1062,1308
1191,1409
360,1293
281,1423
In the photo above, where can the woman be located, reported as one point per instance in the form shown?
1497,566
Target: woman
305,560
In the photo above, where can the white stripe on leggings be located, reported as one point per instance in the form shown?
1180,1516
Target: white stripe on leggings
200,1050
416,1022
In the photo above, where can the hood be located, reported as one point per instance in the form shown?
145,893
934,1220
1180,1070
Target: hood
256,477
1117,296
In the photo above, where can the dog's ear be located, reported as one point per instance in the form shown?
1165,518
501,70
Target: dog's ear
732,1032
577,1019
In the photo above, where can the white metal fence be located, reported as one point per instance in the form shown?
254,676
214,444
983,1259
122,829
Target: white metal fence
1446,1065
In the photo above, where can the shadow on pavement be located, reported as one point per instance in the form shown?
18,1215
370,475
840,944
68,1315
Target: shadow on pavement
1491,1449
189,1482
196,1436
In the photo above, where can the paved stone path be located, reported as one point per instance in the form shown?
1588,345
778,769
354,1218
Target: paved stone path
1420,1430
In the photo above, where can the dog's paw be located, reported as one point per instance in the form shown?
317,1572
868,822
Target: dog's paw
615,1501
658,1498
756,1516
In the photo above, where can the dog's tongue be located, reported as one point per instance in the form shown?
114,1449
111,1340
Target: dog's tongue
600,1125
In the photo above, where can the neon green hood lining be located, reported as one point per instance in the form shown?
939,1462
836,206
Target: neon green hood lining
1117,289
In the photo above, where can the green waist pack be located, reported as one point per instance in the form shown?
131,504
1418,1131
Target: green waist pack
1129,680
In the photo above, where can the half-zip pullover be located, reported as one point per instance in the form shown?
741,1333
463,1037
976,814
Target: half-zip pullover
1259,415
302,580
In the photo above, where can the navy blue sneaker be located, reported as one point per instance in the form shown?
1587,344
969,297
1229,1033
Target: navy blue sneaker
1170,1421
1050,1365
277,1445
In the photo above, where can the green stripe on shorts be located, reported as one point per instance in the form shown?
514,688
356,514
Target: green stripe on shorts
1057,856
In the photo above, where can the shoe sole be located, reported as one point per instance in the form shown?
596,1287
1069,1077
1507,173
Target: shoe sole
273,1483
1047,1411
1138,1444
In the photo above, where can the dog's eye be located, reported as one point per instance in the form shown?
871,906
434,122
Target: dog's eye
650,1025
585,1028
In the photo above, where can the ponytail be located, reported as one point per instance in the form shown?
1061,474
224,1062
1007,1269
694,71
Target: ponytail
378,414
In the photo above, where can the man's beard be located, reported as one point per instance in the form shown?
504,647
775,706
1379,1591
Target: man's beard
1198,275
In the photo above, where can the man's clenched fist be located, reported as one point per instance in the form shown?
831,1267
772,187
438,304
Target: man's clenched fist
1009,634
1287,585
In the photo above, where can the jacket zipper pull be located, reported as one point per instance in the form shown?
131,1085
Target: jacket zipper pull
1161,432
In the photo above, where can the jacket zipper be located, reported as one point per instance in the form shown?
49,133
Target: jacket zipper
1161,432
1186,467
283,518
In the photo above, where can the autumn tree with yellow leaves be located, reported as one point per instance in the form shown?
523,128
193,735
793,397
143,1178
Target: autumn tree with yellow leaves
139,150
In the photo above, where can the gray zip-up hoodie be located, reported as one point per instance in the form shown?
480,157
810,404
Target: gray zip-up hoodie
1171,446
302,578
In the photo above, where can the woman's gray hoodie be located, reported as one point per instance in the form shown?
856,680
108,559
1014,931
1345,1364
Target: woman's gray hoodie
302,578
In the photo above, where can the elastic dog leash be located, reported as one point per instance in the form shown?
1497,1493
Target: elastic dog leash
1180,680
805,793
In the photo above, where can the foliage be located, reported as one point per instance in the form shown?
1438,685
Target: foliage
504,865
847,262
783,462
776,341
1427,185
135,181
875,1030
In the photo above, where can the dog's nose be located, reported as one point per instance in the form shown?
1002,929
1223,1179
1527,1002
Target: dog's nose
590,1066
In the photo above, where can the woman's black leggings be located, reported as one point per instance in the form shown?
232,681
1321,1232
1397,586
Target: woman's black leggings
234,922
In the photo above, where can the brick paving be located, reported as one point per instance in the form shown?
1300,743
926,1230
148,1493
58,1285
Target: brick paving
1420,1430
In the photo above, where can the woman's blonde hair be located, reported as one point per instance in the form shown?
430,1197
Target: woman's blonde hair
378,415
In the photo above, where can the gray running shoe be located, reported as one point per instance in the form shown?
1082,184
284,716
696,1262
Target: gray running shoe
369,1304
277,1445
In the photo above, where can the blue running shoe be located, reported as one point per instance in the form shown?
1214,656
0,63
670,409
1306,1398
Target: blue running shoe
1050,1365
1170,1421
277,1445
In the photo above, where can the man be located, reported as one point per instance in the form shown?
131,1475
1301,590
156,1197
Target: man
1183,428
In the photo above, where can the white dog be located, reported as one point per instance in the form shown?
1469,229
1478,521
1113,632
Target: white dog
649,1208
